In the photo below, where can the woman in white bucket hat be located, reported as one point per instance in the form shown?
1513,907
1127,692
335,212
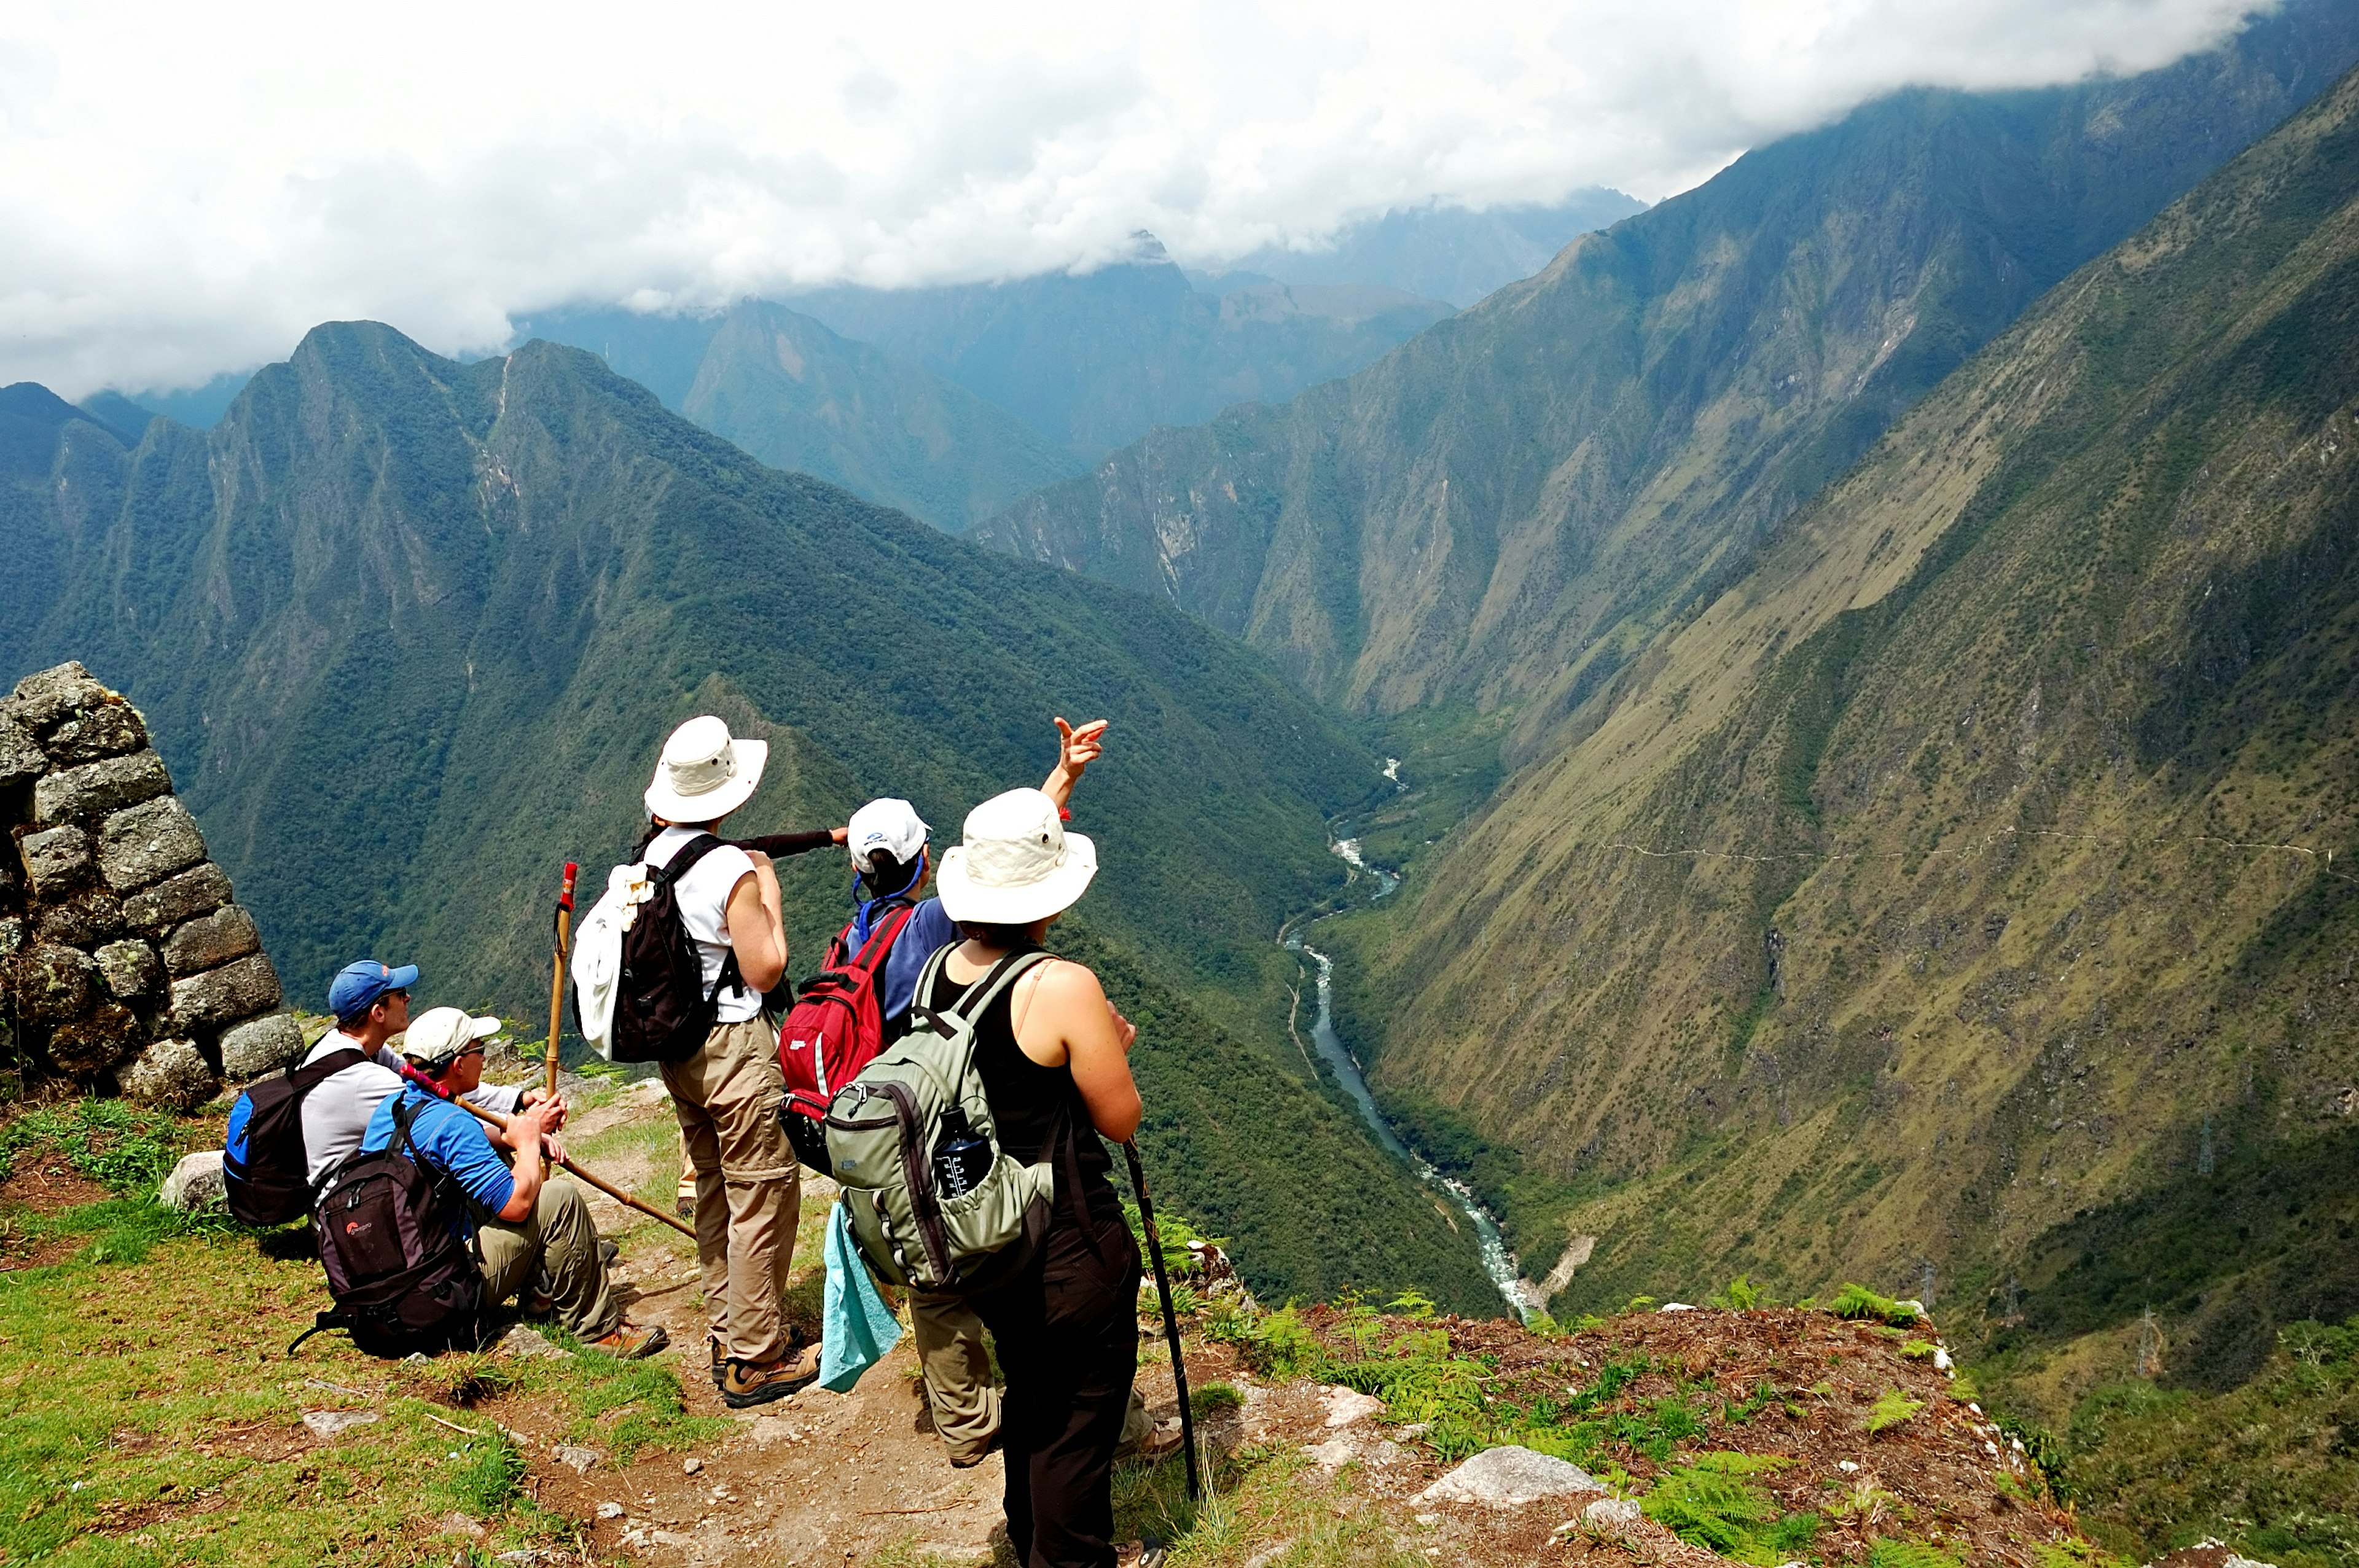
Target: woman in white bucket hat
748,1191
1054,1058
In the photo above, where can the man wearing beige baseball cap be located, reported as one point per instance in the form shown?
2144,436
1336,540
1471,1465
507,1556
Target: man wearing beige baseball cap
726,1095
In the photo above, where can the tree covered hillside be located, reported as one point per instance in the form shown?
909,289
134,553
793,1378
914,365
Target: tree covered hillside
1504,510
410,633
1968,895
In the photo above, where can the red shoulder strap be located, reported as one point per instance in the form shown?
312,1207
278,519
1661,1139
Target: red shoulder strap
881,940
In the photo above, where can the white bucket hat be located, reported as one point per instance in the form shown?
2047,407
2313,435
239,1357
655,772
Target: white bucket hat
705,772
443,1033
1017,865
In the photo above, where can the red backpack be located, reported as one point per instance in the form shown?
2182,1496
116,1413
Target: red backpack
835,1028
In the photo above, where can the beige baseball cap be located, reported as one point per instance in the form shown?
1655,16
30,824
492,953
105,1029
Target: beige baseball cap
442,1035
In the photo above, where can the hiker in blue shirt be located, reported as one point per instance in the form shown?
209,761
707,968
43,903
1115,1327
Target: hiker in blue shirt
532,1232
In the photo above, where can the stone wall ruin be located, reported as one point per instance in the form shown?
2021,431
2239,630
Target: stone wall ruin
126,965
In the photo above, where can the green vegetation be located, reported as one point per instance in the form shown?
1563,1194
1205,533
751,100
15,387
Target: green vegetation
1891,1409
1708,1503
153,1418
2270,1468
1855,1300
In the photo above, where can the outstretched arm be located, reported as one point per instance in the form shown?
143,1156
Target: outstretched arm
1076,750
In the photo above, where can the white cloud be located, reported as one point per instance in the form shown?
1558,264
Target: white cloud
185,189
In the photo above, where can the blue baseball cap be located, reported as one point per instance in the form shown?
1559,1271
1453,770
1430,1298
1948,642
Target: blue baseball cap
358,985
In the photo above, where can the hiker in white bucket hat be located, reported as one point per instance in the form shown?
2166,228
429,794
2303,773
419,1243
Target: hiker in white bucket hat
1054,1058
726,1095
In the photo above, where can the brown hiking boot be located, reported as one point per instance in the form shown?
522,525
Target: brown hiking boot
630,1343
759,1382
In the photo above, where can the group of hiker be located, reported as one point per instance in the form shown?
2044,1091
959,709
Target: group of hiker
418,1170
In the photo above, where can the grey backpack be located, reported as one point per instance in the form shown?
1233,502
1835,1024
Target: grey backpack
935,1203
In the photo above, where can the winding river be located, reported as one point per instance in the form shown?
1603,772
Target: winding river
1498,1262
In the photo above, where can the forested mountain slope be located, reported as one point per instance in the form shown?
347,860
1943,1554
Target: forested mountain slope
1504,509
782,386
410,632
1969,891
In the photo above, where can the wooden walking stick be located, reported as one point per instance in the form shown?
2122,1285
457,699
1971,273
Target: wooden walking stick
557,979
1170,1318
617,1193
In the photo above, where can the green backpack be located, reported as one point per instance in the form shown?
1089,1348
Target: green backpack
935,1203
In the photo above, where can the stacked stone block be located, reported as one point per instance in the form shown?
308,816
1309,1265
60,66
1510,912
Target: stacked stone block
125,963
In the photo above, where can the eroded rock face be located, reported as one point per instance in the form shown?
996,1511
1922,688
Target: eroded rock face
124,958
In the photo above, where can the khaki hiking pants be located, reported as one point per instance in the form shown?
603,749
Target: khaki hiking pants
958,1373
557,1245
748,1187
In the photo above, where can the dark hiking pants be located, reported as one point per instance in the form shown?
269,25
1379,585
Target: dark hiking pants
1066,1332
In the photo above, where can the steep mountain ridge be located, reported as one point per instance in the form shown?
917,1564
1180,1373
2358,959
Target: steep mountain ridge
1962,892
1503,510
779,384
410,631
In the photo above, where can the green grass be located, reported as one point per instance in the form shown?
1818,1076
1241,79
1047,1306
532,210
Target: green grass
1890,1410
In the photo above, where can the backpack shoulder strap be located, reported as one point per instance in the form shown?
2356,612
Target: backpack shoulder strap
695,849
305,1078
881,939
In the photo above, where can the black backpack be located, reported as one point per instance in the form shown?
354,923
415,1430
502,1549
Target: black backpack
263,1161
404,1279
662,1009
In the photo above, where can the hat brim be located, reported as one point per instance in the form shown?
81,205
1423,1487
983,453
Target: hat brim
401,979
965,898
753,756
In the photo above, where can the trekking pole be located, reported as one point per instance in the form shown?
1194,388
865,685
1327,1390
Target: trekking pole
1170,1318
617,1193
557,979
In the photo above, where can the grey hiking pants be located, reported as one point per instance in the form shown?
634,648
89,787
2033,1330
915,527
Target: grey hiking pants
555,1245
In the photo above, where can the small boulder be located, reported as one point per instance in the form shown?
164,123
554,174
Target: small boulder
329,1423
46,695
1613,1514
196,1182
173,1073
1509,1477
610,1511
523,1343
130,969
200,889
93,789
460,1524
147,843
220,996
260,1046
110,730
1346,1406
575,1459
56,859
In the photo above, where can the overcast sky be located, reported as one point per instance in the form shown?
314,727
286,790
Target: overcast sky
185,189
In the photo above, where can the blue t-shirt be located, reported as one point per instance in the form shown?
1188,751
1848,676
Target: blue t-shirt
928,932
452,1141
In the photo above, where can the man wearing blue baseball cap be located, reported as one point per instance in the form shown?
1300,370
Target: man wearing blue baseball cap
370,1003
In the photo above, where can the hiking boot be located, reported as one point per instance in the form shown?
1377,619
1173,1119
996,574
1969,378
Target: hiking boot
630,1343
759,1382
608,1251
720,1359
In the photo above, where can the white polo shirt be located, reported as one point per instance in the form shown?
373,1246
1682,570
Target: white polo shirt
702,898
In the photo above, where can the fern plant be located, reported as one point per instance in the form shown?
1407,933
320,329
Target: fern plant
1893,1408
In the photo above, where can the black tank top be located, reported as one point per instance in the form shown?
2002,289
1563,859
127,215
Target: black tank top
1032,1105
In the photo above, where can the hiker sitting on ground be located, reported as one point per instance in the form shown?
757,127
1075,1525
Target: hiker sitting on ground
1053,1055
532,1232
371,1004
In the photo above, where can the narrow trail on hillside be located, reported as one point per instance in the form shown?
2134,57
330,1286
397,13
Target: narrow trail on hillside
1501,1264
